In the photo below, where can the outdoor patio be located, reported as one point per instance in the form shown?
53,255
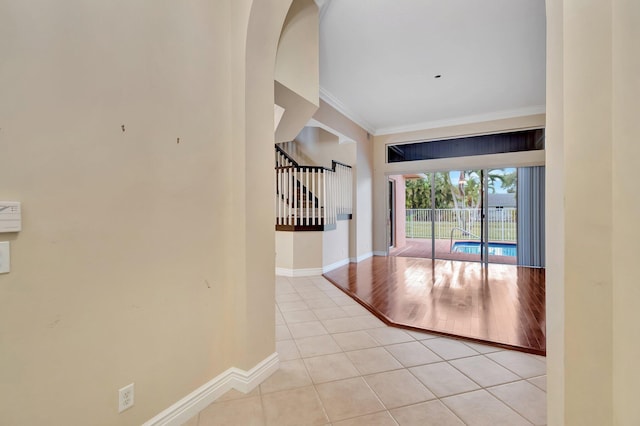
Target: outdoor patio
421,248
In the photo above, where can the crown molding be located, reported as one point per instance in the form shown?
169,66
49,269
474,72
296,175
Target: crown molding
336,104
469,119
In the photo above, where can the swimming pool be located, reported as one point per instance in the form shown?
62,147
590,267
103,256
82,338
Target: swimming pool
495,249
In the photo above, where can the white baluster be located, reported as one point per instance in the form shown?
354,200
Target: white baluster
308,197
313,191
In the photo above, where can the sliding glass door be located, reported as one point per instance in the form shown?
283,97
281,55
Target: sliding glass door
457,215
501,215
468,215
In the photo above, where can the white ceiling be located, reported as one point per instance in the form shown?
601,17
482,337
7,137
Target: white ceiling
378,59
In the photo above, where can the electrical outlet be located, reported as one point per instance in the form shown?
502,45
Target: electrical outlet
125,398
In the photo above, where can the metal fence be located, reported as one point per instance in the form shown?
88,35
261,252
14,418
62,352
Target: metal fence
502,223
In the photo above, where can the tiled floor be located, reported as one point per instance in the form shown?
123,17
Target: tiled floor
340,365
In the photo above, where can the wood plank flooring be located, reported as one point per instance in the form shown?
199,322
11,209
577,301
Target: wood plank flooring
502,305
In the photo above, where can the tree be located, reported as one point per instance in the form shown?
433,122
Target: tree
418,193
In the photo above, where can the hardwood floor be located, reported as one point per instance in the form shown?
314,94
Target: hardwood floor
501,305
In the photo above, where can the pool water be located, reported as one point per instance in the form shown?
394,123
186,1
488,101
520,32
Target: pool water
495,249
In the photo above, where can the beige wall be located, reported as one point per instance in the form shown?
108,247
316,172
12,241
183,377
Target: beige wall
297,65
301,250
381,169
626,210
311,252
297,111
593,71
297,71
360,229
132,265
335,245
324,147
554,216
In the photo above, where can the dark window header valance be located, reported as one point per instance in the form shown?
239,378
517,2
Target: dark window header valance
526,140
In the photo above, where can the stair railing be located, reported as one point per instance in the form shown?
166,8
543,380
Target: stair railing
311,195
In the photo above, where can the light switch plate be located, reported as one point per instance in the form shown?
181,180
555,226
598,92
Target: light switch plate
10,216
5,257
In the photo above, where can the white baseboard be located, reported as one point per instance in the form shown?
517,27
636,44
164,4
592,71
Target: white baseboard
309,272
361,257
380,253
196,401
335,265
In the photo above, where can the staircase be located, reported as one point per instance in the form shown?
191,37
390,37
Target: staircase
311,198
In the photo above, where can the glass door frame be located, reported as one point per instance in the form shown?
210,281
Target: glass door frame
481,177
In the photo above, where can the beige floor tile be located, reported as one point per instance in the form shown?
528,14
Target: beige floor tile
320,281
282,333
398,388
312,293
332,292
294,317
373,360
326,368
284,287
525,398
279,318
442,379
298,305
421,335
307,329
294,407
390,335
348,398
302,283
288,297
330,313
370,322
378,419
522,364
235,394
428,413
449,348
355,340
480,408
343,300
246,412
483,371
541,358
317,345
483,349
411,354
356,310
342,325
291,374
540,381
321,303
330,289
287,350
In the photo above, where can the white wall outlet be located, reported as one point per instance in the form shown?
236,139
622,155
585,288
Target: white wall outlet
5,257
125,398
